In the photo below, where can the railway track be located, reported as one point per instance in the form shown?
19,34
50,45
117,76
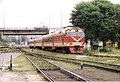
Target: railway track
51,71
97,66
100,65
106,66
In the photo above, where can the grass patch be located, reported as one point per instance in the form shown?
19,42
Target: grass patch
52,54
2,43
2,50
113,52
103,60
108,60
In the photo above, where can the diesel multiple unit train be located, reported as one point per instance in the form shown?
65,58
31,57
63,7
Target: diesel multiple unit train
69,40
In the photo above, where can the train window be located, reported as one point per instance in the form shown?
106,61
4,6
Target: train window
49,39
75,34
65,34
71,34
80,33
45,40
58,38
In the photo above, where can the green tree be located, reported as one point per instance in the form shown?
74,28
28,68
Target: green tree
99,18
3,43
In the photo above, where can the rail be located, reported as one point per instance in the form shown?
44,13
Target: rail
41,71
64,71
73,60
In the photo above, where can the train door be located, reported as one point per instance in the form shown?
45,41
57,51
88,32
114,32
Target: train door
34,43
43,43
53,42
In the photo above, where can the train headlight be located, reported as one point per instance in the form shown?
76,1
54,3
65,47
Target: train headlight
82,43
70,43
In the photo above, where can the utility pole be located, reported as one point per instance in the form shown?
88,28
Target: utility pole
3,23
49,22
61,19
20,39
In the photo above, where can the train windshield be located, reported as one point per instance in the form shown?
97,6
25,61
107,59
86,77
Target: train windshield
75,34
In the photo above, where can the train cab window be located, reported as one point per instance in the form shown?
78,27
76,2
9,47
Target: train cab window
75,34
71,34
80,33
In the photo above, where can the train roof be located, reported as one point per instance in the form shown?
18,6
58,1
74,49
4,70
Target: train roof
61,31
38,38
71,27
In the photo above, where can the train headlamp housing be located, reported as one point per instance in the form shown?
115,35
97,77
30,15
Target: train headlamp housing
76,30
70,43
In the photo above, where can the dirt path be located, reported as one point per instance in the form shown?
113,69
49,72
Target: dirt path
20,77
24,72
5,57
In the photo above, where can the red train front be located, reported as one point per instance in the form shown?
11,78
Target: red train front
74,40
68,40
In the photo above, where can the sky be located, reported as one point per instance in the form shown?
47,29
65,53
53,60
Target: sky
36,13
